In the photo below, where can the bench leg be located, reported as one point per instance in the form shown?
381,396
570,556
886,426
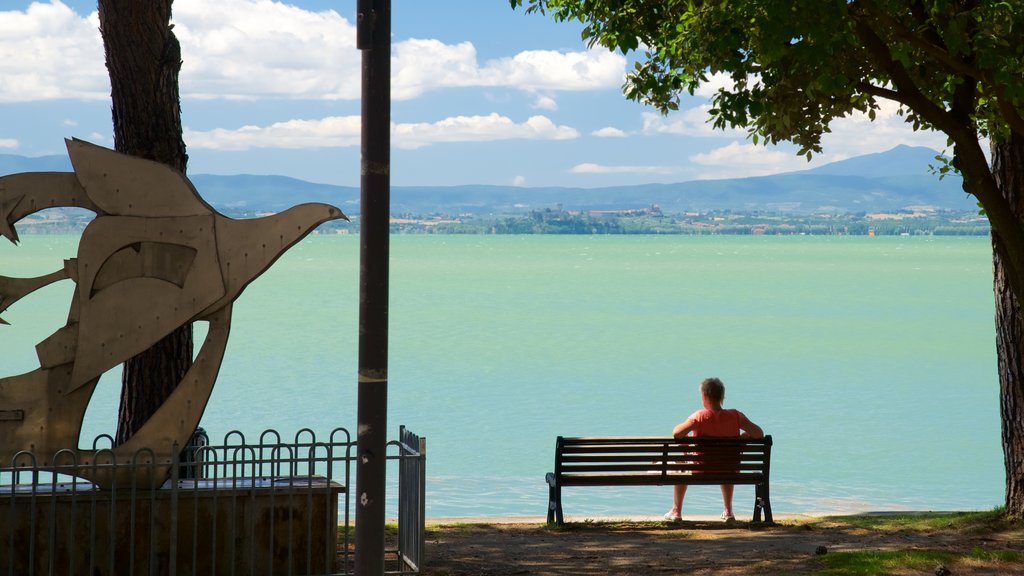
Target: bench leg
552,505
555,512
554,502
758,503
762,503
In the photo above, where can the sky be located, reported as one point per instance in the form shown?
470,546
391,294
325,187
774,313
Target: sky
481,94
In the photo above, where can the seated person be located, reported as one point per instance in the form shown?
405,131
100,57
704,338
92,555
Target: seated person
712,421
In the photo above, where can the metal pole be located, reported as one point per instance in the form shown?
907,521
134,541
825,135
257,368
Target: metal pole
373,38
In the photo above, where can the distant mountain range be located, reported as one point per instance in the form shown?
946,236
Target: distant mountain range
895,179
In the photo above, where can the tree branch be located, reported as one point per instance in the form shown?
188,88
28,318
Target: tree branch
880,92
936,51
920,15
906,91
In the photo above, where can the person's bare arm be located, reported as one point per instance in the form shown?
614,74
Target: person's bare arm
748,429
683,428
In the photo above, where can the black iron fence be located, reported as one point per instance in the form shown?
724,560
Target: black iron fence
412,462
275,506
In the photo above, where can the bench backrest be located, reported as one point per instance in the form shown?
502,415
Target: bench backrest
658,460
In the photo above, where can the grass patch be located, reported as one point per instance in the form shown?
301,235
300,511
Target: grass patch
462,528
871,563
972,522
1008,556
390,533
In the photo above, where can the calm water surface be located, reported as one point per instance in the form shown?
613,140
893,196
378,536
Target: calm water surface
869,360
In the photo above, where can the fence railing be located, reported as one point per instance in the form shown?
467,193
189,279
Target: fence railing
270,507
412,454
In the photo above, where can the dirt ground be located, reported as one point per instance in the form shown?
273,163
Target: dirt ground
694,547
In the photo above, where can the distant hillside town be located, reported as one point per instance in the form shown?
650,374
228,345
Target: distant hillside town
914,221
909,222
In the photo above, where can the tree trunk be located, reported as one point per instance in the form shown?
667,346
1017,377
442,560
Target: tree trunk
1007,162
143,60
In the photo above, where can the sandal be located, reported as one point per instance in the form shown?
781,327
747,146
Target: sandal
727,518
673,517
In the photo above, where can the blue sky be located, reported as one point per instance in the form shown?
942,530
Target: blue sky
482,94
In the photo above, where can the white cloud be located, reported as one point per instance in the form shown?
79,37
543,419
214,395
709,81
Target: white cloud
49,52
519,180
418,66
851,136
8,143
689,122
422,65
552,70
545,103
343,131
248,49
588,168
264,48
737,160
715,82
857,134
479,129
331,132
608,132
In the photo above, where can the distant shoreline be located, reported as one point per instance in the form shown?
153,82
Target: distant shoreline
917,221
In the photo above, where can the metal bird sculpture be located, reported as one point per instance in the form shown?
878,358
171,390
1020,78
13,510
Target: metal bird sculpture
155,258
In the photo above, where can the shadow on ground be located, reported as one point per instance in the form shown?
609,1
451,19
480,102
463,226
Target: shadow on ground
704,548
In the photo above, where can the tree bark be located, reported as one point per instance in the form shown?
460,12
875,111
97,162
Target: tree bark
1007,161
143,60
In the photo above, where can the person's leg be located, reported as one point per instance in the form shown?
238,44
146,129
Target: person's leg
678,492
727,490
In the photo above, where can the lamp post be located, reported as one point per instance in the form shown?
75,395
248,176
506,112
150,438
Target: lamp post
373,38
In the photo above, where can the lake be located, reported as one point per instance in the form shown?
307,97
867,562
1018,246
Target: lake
868,359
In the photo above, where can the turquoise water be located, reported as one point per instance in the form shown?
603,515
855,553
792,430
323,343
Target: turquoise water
869,360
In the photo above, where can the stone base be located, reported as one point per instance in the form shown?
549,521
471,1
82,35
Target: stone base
266,526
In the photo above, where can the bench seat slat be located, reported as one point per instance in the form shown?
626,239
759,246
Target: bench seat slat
654,445
659,458
655,439
659,479
655,450
699,467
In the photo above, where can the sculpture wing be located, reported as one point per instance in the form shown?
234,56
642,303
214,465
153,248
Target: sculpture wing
14,289
29,192
139,279
128,186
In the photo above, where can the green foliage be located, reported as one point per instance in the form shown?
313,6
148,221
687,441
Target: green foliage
793,66
943,166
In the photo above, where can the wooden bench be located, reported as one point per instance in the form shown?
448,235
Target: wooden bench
654,461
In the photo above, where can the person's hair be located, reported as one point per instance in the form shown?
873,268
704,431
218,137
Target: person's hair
713,389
